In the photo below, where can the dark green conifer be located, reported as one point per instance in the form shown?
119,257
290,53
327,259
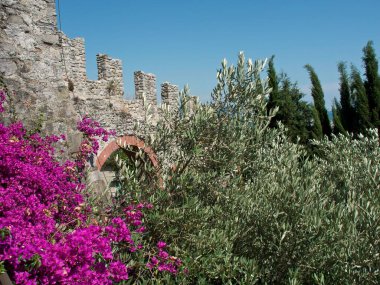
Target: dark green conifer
273,83
358,93
319,100
316,127
372,83
293,112
337,117
345,110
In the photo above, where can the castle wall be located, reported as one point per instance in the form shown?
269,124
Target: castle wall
73,58
47,72
31,66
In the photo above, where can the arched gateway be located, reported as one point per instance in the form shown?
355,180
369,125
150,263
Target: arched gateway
128,140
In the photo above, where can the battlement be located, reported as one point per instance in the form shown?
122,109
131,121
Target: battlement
74,59
108,68
110,76
47,70
145,85
103,98
169,94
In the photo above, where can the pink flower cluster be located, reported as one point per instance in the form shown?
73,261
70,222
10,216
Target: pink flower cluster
92,131
163,261
134,216
45,237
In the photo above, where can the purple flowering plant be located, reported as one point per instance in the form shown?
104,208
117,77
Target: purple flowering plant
46,235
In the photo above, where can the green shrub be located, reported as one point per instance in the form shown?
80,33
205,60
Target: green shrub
242,204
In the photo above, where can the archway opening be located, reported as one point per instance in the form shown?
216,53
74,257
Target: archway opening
127,164
129,143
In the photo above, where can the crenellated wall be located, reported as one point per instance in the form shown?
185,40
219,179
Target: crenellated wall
47,72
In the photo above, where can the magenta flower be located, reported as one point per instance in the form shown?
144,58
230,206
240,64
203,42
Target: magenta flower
161,244
45,236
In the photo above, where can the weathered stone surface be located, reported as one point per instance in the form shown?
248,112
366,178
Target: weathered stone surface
96,181
39,64
25,67
50,39
9,2
7,67
74,141
169,95
15,20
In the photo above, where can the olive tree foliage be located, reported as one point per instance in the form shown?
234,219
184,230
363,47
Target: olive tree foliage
242,204
218,135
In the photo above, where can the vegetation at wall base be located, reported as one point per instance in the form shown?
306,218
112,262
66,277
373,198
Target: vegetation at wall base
244,204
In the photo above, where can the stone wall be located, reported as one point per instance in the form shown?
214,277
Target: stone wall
145,86
30,64
46,70
169,95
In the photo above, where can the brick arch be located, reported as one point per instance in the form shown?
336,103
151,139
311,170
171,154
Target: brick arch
127,140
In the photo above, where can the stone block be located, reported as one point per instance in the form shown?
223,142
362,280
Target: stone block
96,182
7,68
15,20
50,39
9,3
74,141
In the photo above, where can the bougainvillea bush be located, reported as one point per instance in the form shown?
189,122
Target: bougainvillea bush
46,233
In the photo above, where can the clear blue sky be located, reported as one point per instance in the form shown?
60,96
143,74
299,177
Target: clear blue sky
185,41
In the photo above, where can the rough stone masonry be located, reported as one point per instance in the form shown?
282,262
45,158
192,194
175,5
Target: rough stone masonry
46,72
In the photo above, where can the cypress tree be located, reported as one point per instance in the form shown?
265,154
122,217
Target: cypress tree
316,127
285,104
294,113
372,83
319,100
346,111
358,92
273,83
337,115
